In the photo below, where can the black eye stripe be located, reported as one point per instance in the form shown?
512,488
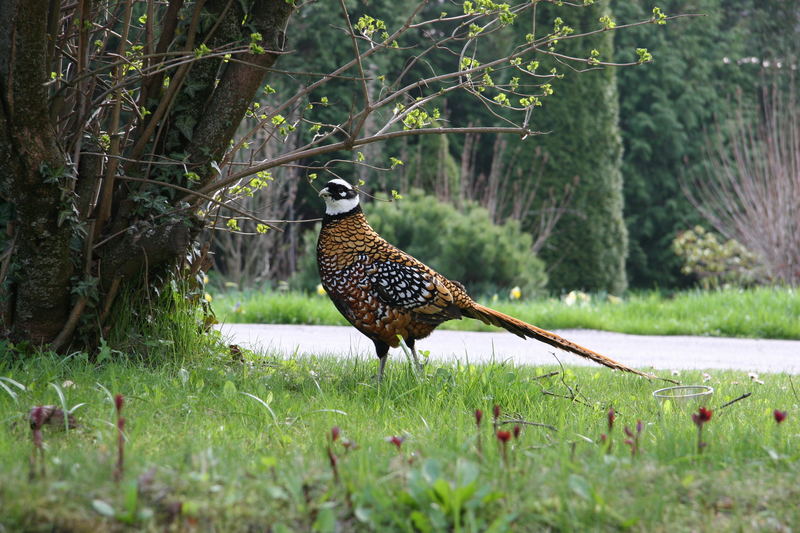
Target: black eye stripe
339,190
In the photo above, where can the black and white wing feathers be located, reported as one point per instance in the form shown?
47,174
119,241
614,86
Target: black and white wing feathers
413,288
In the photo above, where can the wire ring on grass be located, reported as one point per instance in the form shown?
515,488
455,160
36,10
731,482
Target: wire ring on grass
700,391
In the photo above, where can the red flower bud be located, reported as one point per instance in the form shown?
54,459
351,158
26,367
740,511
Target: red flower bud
612,415
397,441
517,431
503,436
119,401
702,416
335,433
780,416
478,417
496,412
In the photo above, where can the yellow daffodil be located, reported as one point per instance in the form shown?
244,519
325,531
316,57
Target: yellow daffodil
576,297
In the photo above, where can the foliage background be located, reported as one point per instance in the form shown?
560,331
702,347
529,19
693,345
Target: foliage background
623,139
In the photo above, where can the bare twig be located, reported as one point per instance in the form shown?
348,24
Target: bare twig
548,375
527,423
794,391
107,184
742,397
69,327
110,297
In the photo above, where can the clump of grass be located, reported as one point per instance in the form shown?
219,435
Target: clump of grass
168,336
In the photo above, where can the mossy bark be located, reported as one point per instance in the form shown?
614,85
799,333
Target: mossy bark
34,173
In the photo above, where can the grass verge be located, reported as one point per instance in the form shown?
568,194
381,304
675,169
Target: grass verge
756,313
221,445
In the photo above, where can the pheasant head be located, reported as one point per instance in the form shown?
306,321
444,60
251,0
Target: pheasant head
340,197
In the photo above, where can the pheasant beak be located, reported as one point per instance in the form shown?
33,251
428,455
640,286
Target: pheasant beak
324,193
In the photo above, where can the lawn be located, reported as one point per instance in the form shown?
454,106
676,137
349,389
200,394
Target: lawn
757,313
237,442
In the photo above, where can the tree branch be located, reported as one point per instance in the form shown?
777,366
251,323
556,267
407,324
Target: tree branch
320,150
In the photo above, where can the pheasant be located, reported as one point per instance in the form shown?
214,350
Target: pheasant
387,294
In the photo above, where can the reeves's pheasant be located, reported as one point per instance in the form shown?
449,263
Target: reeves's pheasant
386,293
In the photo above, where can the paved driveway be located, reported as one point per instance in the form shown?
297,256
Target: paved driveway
638,351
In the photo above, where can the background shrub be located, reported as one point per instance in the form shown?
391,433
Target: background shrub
715,264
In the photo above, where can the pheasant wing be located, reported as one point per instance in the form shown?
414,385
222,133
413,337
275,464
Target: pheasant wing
414,289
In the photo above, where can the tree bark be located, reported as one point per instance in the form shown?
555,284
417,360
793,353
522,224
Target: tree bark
239,82
34,175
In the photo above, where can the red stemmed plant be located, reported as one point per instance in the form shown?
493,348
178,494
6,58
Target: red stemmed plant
504,436
606,440
478,418
36,421
633,438
700,418
779,417
119,470
333,436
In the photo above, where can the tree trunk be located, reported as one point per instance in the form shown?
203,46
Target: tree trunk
35,180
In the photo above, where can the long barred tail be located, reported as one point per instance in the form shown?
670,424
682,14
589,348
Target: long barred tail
525,330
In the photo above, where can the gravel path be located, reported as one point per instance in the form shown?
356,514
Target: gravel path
638,351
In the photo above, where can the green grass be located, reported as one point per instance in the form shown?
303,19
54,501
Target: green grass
757,313
202,455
